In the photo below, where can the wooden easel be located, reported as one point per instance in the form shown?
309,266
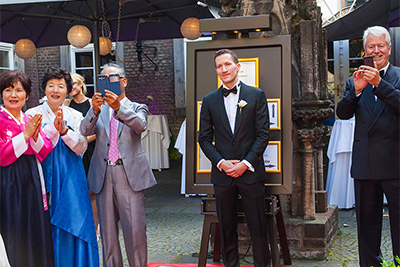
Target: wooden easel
273,211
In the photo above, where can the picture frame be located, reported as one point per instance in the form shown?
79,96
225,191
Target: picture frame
249,72
198,114
203,163
272,157
274,109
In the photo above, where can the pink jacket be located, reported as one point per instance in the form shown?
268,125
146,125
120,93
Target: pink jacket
12,141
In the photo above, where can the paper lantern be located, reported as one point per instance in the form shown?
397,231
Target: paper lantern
25,48
190,28
79,36
105,46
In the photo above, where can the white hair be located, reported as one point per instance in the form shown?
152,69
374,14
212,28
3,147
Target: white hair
377,31
113,65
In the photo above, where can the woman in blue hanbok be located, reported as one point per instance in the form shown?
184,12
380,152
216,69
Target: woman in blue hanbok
74,235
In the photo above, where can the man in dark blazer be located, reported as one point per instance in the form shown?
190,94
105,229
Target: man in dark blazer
235,116
119,180
375,102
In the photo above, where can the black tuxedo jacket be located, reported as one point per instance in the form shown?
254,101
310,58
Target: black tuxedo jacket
249,140
376,153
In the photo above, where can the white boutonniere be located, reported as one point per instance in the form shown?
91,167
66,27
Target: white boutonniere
241,104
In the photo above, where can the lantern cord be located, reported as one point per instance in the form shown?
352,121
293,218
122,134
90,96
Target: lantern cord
23,20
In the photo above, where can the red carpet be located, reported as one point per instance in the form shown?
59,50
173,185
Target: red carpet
158,264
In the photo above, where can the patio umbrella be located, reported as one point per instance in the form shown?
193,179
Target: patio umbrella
374,12
46,23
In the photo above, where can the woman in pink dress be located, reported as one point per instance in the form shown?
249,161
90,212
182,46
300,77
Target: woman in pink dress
24,215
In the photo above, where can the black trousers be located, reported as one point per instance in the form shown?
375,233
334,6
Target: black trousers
369,212
253,201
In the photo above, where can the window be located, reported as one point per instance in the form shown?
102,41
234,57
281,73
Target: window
6,57
82,62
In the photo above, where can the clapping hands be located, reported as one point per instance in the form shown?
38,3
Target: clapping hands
32,129
59,122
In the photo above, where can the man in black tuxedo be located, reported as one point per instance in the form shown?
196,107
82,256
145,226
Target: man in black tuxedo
236,115
375,102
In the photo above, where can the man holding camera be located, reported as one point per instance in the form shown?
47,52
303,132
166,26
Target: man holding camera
372,95
119,171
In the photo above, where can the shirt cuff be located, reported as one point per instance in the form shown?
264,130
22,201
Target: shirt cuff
249,166
37,146
219,164
19,144
52,133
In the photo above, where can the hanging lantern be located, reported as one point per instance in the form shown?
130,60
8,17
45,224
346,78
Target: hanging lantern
190,28
105,46
79,36
25,48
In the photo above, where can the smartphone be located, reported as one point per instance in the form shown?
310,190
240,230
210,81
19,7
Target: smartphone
369,61
102,83
115,85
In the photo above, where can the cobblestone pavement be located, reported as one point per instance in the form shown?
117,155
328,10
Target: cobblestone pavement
345,248
174,227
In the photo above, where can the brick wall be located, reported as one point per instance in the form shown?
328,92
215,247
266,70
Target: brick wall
148,82
36,66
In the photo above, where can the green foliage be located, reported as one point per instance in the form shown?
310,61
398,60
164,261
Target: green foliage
384,263
172,151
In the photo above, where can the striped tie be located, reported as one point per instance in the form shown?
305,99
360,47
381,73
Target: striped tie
113,152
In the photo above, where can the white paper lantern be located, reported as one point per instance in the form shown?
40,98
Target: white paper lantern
190,28
105,46
25,48
79,36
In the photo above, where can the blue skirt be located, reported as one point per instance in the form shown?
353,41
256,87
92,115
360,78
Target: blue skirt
24,225
74,233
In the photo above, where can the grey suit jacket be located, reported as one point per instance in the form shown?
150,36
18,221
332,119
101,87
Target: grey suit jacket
376,152
133,121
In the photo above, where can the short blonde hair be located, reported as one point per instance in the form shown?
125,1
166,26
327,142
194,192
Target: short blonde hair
76,78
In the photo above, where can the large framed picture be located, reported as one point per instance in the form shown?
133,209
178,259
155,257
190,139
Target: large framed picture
249,72
272,157
274,109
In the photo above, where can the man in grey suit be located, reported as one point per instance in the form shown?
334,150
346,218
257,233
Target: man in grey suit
372,95
119,171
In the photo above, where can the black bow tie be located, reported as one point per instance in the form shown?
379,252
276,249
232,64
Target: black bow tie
226,92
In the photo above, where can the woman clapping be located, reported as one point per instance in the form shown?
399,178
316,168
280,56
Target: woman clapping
24,216
74,235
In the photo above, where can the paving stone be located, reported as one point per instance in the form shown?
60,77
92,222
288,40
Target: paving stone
174,228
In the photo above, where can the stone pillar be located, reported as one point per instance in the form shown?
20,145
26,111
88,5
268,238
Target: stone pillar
307,138
319,158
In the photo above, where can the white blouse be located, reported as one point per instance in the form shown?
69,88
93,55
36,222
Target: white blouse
73,139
